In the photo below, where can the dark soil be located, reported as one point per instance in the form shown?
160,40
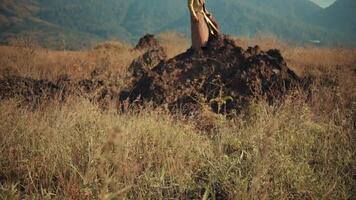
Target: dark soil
33,93
147,61
222,75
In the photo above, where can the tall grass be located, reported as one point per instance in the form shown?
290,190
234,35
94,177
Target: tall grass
78,152
304,148
111,59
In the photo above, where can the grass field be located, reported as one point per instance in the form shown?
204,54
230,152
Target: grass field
304,148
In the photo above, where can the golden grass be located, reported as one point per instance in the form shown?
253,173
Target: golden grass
303,148
78,152
114,57
81,152
173,43
48,64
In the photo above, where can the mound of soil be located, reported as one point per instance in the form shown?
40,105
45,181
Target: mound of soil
222,75
147,42
32,92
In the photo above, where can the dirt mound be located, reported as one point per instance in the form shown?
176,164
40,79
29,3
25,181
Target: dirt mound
223,76
32,92
147,42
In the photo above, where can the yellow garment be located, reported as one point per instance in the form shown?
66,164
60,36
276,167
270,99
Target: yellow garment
195,7
211,24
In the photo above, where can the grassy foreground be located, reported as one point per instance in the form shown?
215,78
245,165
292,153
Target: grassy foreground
303,148
77,152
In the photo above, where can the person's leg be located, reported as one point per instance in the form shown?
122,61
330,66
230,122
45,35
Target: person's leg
200,32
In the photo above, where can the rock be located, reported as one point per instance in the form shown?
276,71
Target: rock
147,61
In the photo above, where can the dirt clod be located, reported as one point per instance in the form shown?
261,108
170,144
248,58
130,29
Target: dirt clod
147,61
148,42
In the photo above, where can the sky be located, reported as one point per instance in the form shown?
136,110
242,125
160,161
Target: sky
324,3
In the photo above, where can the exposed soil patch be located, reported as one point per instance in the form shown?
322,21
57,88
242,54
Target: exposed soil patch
223,76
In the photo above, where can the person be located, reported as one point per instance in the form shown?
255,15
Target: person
202,24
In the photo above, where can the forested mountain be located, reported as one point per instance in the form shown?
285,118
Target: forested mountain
340,16
19,20
77,23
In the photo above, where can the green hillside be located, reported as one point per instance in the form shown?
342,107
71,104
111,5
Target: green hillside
19,22
340,16
295,20
79,23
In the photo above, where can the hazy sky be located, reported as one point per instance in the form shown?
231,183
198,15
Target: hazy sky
324,3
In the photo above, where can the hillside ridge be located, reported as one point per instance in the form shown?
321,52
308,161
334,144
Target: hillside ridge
78,23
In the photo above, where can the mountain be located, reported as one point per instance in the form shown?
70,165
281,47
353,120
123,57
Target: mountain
275,17
78,23
296,20
340,16
19,21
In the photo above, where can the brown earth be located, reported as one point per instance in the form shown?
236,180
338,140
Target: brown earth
222,75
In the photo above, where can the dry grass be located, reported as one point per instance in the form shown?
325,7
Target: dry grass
112,58
77,152
301,149
173,43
